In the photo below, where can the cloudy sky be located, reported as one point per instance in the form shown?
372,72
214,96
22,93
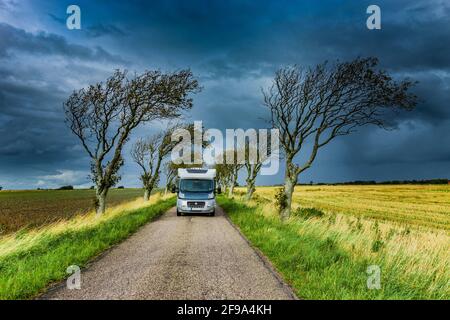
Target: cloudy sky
233,48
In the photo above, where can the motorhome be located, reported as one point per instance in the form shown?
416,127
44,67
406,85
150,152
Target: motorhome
196,191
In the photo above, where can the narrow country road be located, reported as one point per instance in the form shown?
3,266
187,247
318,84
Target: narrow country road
189,257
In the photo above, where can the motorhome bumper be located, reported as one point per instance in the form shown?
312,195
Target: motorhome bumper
200,206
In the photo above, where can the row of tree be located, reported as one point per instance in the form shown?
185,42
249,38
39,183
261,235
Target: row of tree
228,172
151,155
309,106
104,115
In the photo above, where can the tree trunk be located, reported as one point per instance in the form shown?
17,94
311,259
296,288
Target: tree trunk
289,184
146,194
250,190
249,194
101,202
166,190
230,191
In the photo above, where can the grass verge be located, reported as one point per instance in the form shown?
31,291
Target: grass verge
318,262
41,257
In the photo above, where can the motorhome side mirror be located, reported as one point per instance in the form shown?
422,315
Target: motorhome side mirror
174,189
219,190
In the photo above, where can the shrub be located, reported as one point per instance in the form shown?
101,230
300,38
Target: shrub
280,200
259,199
359,224
307,213
66,188
377,245
332,218
329,243
406,231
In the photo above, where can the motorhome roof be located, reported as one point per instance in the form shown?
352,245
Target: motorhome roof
197,173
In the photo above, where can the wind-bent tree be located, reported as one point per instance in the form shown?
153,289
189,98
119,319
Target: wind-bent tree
252,172
103,116
312,106
234,175
253,166
256,154
222,175
149,155
170,172
170,168
227,174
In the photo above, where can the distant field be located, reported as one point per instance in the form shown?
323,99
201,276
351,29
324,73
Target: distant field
33,208
420,205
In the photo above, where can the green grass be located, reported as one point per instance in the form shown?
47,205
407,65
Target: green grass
307,213
25,273
318,264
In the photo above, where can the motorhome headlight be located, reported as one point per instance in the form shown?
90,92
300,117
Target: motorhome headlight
211,195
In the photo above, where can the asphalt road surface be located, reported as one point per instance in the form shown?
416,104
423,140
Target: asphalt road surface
188,257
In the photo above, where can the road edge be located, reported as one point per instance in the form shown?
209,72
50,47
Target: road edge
266,262
51,287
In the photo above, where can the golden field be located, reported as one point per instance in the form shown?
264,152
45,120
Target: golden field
403,228
408,205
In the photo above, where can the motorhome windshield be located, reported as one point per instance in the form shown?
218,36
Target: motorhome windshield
196,185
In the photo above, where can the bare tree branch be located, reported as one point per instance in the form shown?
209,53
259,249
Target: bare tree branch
103,116
313,106
149,154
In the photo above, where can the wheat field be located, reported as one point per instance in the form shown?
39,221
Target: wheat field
408,205
403,228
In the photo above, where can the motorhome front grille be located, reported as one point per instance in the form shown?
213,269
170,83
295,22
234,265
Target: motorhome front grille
196,204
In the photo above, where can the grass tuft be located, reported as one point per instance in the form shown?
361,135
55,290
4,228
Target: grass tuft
307,213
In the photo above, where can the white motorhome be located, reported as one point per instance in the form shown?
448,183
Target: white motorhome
196,190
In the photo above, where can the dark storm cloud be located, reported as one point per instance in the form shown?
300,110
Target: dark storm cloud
233,47
94,31
411,44
100,30
60,20
7,4
33,137
42,43
37,72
